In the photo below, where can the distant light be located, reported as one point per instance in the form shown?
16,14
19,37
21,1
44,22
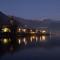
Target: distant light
32,32
33,37
19,30
19,41
24,30
42,38
5,40
43,31
6,29
24,40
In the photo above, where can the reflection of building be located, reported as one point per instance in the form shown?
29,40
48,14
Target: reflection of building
31,39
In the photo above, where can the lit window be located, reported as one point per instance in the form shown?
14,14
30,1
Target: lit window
19,30
43,31
24,30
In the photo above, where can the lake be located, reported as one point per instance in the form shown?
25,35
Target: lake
30,48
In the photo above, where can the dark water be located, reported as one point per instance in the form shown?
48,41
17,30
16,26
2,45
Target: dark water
30,48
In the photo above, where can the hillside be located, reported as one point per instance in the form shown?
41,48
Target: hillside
52,25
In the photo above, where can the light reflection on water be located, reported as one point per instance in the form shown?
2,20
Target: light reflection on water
25,42
31,39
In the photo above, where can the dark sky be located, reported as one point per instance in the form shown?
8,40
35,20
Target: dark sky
31,9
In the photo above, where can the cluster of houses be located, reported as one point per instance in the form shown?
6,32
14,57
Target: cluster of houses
8,24
9,27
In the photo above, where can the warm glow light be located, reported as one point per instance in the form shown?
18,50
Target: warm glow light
19,41
43,31
19,29
6,29
32,32
24,30
42,38
31,39
24,40
5,40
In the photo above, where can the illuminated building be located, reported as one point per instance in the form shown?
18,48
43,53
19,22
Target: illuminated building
5,28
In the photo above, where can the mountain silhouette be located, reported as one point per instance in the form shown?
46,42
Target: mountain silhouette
4,20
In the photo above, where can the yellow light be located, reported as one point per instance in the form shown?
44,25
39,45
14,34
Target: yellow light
5,41
6,30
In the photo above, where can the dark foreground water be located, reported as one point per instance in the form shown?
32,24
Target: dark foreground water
31,48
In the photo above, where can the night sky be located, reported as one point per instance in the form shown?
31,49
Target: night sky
32,9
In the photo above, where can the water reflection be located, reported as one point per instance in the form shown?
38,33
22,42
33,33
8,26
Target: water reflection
30,39
8,45
43,38
11,45
24,40
5,40
19,41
